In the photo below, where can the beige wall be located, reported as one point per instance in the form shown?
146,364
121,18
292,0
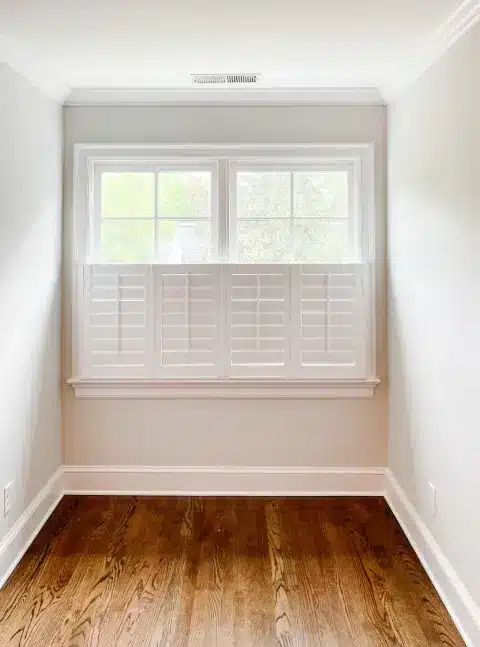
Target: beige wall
30,243
434,302
264,433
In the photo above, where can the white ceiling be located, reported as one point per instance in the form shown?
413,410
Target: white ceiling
156,43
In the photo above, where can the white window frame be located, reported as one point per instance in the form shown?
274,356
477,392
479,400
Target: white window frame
222,159
166,166
294,165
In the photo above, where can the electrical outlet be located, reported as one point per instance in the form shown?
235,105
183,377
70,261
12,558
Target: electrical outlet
7,499
432,492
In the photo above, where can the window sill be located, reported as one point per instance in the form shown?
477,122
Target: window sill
235,389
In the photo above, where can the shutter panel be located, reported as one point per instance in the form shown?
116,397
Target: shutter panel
329,333
210,321
115,331
188,320
257,308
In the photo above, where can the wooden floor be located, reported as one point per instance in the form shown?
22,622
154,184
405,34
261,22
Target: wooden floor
142,571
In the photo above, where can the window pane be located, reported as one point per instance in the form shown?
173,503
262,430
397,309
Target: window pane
321,241
264,241
128,195
127,241
308,241
184,242
184,194
263,194
321,194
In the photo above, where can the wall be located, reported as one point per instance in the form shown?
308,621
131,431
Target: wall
434,301
256,433
30,278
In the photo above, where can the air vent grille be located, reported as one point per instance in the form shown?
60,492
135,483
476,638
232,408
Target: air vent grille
225,79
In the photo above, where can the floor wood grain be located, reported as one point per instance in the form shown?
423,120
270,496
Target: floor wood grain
191,572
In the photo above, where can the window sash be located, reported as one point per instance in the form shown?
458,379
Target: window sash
223,200
292,167
95,219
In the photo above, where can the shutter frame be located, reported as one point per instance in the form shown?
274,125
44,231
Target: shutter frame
267,290
173,287
312,285
114,341
224,345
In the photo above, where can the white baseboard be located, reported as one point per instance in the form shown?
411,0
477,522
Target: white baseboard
219,480
459,603
17,540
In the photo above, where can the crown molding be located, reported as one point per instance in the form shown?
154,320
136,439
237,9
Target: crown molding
364,96
27,65
41,76
442,39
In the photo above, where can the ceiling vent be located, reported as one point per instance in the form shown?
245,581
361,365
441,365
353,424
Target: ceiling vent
225,79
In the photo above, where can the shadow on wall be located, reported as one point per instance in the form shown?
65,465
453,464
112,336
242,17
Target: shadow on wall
30,423
410,401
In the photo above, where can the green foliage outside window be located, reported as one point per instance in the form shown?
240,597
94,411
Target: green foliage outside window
266,231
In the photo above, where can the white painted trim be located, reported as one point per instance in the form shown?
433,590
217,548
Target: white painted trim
236,389
316,96
223,480
319,149
458,601
17,540
433,48
26,63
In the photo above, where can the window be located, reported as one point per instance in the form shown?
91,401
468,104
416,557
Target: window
292,213
213,263
153,215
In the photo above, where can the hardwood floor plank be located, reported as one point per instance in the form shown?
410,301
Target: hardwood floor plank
169,595
212,615
209,571
282,588
309,556
254,604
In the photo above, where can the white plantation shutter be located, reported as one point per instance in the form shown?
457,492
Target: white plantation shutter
187,320
329,317
115,338
257,306
221,321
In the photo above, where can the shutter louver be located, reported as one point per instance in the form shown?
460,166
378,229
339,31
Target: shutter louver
328,319
188,326
115,336
257,320
221,321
